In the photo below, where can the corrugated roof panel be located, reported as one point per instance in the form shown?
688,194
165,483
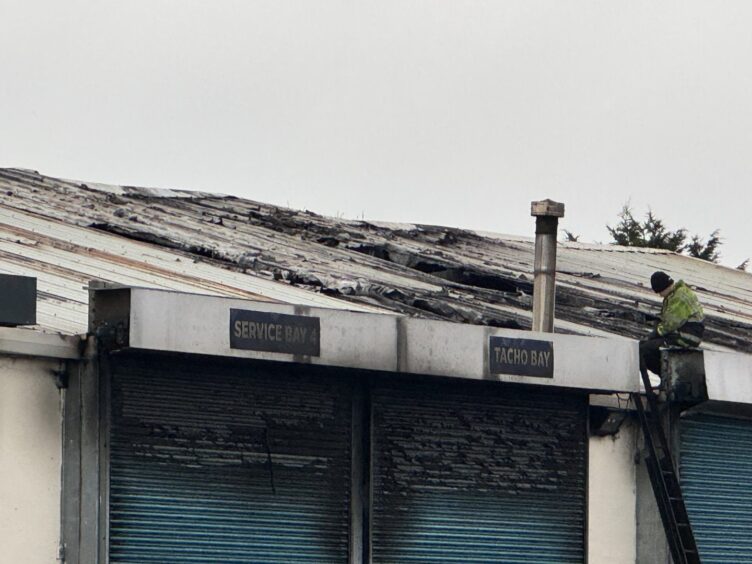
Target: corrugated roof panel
136,235
65,258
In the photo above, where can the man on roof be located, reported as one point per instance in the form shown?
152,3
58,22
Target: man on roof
681,323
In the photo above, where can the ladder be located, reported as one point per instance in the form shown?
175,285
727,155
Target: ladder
664,479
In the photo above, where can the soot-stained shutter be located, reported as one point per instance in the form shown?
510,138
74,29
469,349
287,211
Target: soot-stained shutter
716,478
478,473
227,462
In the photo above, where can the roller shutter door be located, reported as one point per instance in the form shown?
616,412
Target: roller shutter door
716,477
227,463
478,473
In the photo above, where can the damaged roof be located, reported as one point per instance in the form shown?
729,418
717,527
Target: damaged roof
67,233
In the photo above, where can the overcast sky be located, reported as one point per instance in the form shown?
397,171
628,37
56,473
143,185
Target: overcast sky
445,112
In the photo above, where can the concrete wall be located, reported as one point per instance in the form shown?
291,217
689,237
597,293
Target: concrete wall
652,547
612,498
30,457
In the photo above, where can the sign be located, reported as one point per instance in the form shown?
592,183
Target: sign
274,332
18,300
521,357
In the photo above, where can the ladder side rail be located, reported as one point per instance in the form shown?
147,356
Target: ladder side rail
666,462
666,483
653,404
657,479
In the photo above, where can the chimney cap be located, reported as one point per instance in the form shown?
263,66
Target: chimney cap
547,208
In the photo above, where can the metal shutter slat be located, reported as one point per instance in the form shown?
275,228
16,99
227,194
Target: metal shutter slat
477,473
716,474
190,479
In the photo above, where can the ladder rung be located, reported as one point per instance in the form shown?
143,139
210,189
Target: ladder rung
664,479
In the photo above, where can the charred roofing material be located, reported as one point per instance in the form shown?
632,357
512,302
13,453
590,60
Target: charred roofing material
419,270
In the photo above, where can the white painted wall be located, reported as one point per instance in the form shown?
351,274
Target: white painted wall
612,529
30,458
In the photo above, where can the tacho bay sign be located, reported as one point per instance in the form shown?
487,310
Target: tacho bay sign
275,332
521,357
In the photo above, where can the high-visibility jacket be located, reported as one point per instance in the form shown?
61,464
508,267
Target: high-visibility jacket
682,314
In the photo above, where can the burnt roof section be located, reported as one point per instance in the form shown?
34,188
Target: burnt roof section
419,270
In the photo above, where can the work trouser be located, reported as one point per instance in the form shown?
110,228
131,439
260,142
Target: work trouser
650,349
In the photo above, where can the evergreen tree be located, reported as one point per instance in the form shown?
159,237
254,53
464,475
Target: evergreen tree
628,232
652,233
705,251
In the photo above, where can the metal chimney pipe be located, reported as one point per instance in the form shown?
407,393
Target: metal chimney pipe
547,214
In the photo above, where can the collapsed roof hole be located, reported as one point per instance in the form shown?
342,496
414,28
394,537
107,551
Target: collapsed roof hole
375,251
504,323
138,235
480,279
459,274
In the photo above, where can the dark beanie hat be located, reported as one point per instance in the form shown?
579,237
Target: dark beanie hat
659,281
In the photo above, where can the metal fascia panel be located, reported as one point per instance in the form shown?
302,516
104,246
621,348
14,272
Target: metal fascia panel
186,323
728,376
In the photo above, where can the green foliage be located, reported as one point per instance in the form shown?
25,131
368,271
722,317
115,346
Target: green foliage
652,233
570,237
628,232
705,251
657,236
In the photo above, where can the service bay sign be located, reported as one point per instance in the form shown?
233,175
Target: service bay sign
274,332
521,357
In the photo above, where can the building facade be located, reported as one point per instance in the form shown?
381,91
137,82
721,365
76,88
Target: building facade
216,380
222,430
